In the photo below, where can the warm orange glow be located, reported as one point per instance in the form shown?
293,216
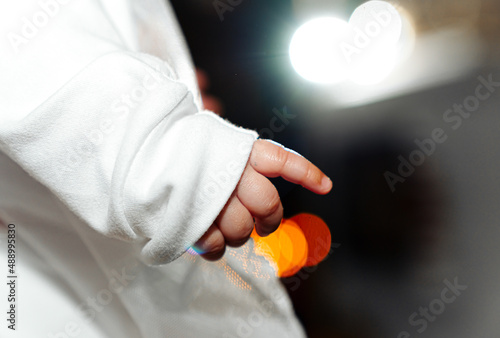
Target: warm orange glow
268,247
303,240
317,235
296,252
285,249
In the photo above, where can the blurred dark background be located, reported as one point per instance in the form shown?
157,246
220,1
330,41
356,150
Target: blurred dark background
394,252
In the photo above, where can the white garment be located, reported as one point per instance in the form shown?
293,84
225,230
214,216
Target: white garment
110,169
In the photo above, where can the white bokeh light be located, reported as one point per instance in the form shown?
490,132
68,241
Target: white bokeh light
379,21
377,28
375,68
314,51
364,50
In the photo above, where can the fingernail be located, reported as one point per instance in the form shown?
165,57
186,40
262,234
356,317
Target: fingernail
326,182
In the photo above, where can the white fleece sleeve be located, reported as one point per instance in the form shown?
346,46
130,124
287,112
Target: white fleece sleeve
112,132
122,145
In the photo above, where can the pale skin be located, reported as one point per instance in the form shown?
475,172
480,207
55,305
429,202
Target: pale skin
256,198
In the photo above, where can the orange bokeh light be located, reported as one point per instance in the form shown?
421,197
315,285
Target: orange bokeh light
302,240
296,252
318,237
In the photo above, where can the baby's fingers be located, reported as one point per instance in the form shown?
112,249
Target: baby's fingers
212,244
272,160
235,222
261,199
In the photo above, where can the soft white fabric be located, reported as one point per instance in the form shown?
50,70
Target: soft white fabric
110,169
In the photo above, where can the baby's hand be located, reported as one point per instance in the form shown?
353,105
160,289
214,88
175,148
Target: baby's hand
255,197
